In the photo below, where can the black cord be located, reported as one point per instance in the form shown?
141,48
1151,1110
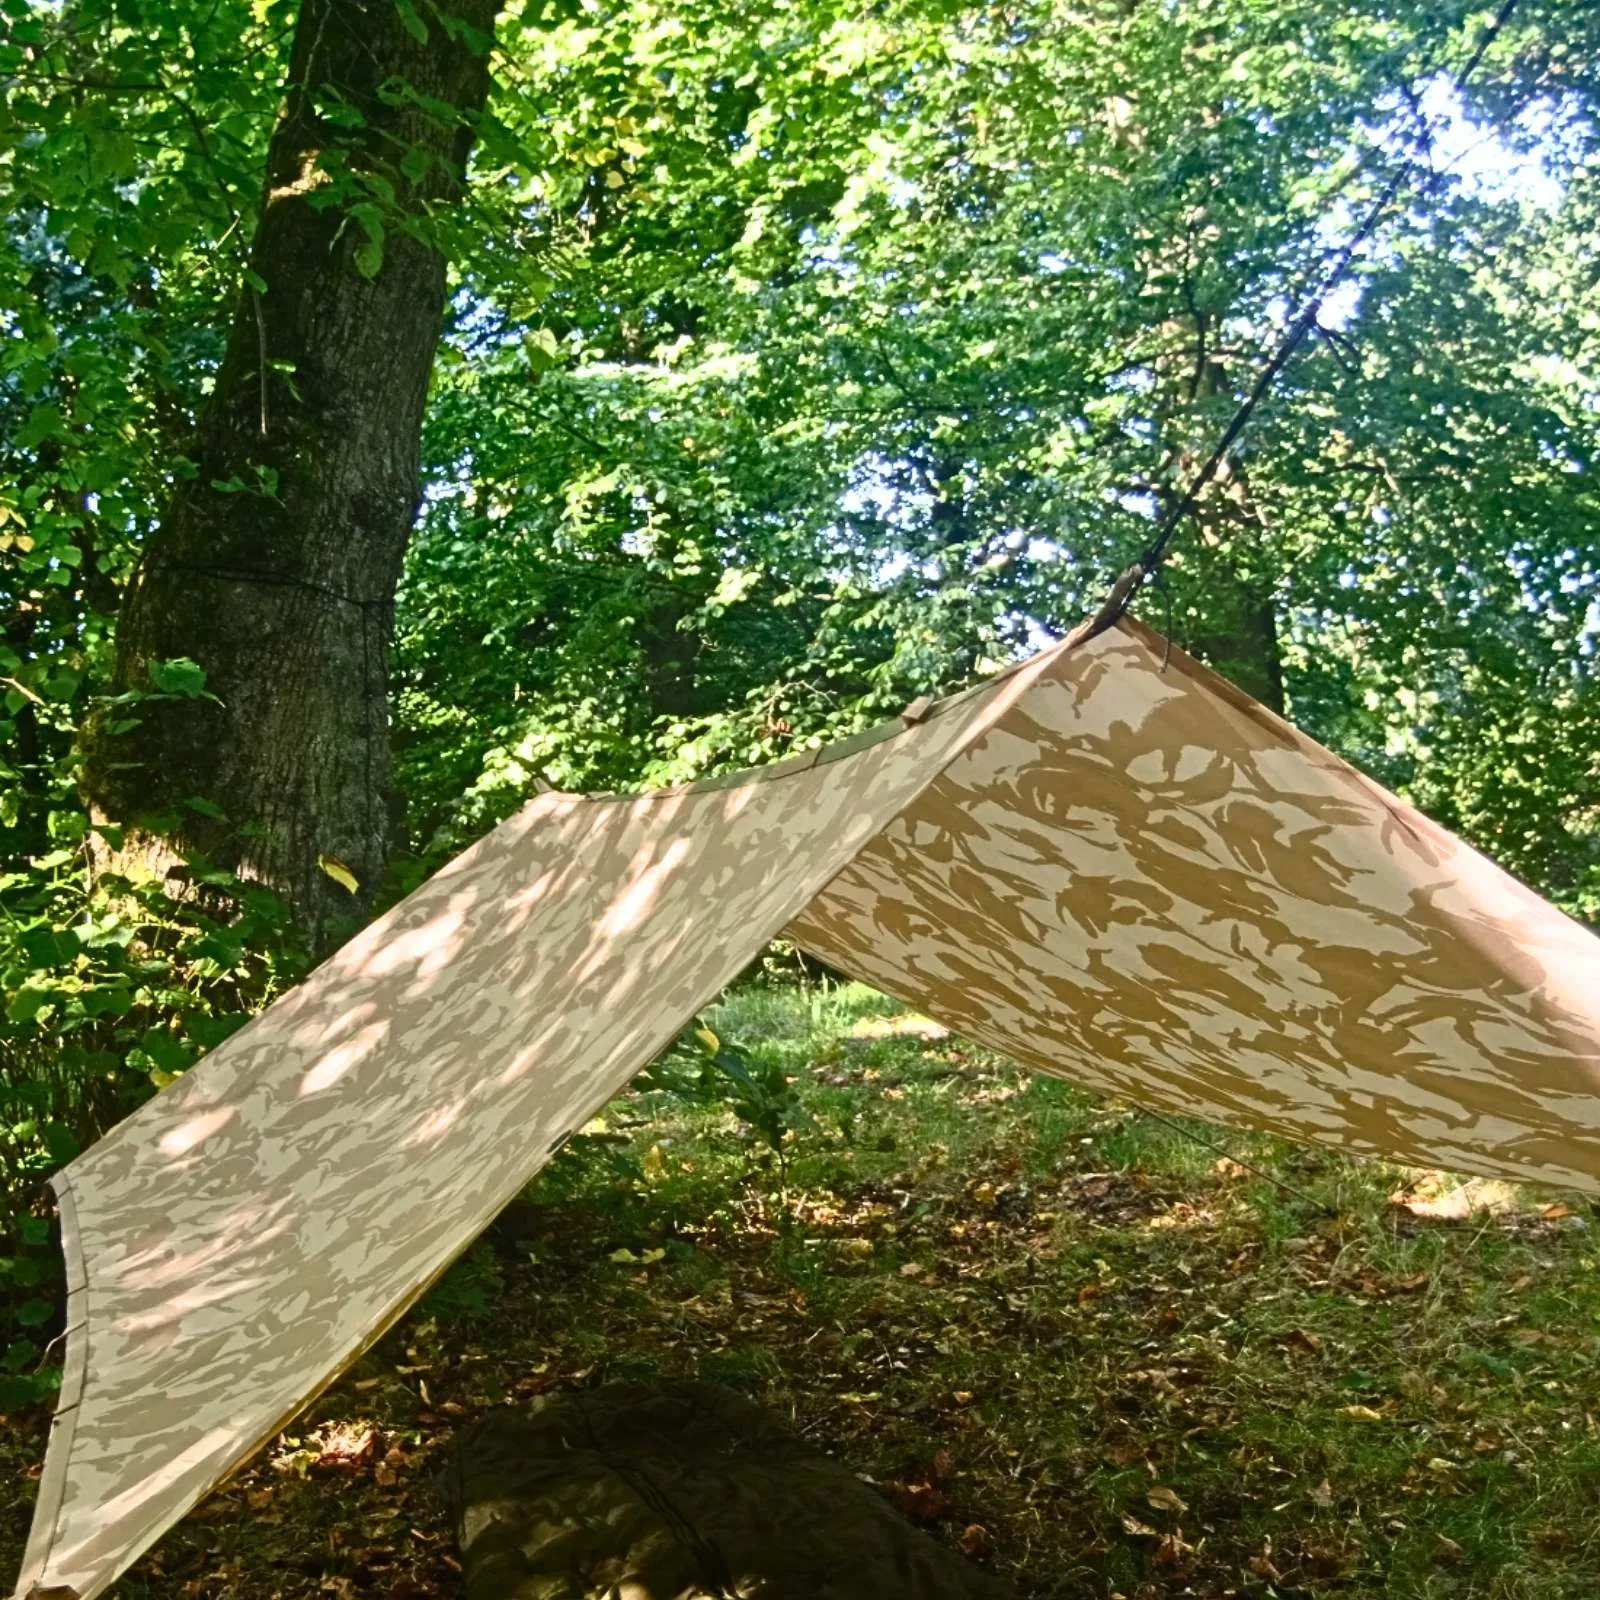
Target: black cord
1228,1155
1149,562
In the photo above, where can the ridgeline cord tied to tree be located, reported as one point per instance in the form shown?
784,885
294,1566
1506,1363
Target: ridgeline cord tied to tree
1149,563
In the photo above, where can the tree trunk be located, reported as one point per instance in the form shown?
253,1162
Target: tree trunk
276,562
1235,630
1232,624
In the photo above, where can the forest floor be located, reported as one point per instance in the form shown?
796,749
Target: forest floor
1101,1357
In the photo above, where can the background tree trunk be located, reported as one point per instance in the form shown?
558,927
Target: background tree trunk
1232,622
276,563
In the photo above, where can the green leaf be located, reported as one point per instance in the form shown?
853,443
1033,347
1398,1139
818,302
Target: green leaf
168,1052
44,422
60,1142
368,254
179,676
414,25
542,348
221,945
32,1313
20,1353
61,685
67,826
106,1000
209,1031
29,1001
50,947
17,1393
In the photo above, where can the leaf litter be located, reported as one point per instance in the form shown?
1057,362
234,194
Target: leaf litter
1056,1334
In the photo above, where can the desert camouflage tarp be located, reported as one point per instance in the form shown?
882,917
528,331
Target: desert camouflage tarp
1109,865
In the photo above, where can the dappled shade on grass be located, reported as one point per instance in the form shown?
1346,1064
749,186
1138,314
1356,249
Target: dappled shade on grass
1064,1338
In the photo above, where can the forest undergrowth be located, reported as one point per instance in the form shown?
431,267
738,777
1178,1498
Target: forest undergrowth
1097,1354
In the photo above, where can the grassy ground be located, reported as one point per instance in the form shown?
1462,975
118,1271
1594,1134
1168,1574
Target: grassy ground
1099,1356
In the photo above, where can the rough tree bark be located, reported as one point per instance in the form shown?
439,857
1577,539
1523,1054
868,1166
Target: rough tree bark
276,563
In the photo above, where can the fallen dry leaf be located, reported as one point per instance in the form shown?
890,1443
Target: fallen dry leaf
1431,1196
974,1540
345,1446
1165,1499
1261,1565
1174,1551
907,1025
919,1502
1361,1413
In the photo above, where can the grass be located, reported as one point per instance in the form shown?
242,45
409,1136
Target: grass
1096,1354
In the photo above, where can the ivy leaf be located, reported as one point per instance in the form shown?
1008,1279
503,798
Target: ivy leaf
179,675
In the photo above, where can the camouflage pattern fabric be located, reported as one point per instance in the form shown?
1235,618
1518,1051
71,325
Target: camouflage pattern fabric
683,1491
1110,865
1146,882
240,1239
